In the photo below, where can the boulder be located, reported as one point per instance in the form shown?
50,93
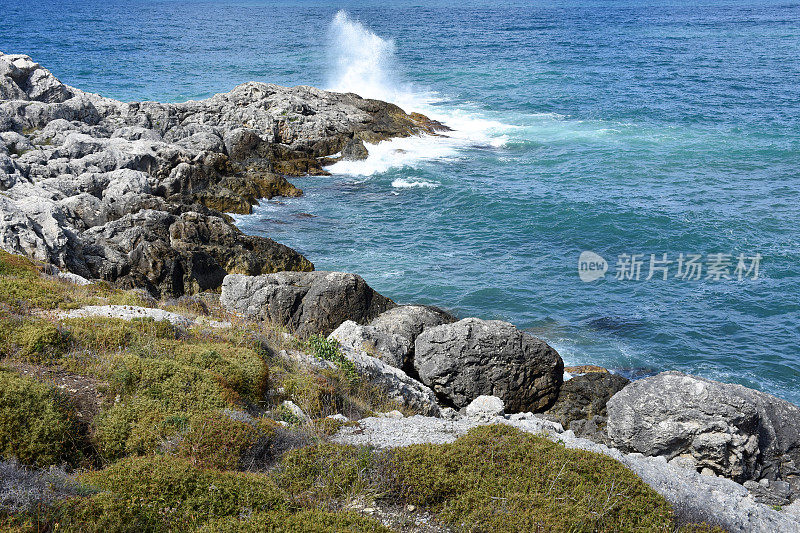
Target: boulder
387,347
486,407
736,432
404,323
395,383
585,396
305,302
473,357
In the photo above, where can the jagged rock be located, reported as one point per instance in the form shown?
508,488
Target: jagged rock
133,192
486,407
472,357
387,347
585,396
306,302
394,382
734,431
404,323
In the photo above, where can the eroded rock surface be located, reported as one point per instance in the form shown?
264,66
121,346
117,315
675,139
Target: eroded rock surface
733,431
305,302
135,193
474,357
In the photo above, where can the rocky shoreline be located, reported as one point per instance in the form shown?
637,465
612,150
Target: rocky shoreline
136,194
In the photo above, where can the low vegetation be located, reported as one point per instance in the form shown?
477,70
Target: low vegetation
162,428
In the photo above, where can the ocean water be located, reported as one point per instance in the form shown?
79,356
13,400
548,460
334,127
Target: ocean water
627,127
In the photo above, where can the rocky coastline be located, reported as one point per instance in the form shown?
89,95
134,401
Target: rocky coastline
137,195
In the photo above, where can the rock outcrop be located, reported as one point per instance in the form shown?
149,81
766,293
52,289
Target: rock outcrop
390,336
730,430
305,302
395,383
474,357
135,193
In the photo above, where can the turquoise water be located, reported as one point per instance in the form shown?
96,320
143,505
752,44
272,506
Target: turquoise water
617,127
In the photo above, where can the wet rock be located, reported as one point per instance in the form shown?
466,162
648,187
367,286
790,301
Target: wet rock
474,357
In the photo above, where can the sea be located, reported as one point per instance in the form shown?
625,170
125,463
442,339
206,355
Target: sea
622,178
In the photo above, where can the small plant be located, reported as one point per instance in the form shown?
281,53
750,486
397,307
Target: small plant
330,350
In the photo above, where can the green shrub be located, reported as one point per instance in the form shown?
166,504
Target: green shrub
330,350
37,425
498,479
325,472
164,493
133,427
214,440
306,521
241,368
101,334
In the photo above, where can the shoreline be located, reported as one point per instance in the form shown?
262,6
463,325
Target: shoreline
135,194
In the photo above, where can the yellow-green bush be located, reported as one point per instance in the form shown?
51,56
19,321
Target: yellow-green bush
498,479
135,426
165,493
32,339
37,425
101,334
306,521
214,440
326,472
241,368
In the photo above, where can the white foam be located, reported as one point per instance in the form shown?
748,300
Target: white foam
402,183
364,63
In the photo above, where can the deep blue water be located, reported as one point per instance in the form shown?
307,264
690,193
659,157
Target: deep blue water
628,127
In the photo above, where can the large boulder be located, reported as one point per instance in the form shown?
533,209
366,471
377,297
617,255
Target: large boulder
305,302
387,347
474,357
734,431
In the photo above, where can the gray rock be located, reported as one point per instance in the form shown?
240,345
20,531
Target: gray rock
395,383
404,323
306,302
134,193
472,357
734,431
584,397
486,407
389,348
128,312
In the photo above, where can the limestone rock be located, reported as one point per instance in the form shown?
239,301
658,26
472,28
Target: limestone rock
734,431
473,357
306,302
485,407
404,323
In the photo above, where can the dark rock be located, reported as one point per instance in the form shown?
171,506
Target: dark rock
474,357
584,397
354,150
306,302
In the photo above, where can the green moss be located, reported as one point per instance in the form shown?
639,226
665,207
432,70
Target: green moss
37,425
499,479
163,493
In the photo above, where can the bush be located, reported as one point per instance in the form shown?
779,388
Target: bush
214,440
37,424
326,472
330,350
498,479
164,493
306,521
101,334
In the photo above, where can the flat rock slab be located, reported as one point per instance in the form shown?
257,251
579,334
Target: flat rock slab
128,312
